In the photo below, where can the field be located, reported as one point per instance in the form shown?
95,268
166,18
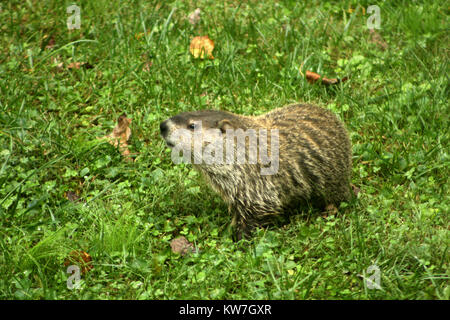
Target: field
62,189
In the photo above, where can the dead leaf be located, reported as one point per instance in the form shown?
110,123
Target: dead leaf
202,47
81,259
74,65
78,65
376,38
122,130
312,77
194,17
147,66
182,246
120,136
72,196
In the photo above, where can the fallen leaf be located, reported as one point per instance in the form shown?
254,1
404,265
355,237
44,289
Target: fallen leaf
74,65
194,17
312,77
120,136
376,38
147,66
72,196
182,246
122,130
77,65
81,259
202,47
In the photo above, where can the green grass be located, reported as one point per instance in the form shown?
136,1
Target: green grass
395,106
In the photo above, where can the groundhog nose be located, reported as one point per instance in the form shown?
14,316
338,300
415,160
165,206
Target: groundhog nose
163,127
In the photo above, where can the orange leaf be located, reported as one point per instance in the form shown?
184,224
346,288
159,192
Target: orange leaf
202,47
81,259
312,77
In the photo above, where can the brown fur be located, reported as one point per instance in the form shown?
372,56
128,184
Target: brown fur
314,163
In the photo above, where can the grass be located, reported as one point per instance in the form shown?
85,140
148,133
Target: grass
395,106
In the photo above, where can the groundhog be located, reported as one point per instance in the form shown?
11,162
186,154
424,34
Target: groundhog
266,166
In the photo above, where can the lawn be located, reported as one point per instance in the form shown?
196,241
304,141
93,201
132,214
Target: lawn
64,190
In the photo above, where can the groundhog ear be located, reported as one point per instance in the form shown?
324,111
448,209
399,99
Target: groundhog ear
223,125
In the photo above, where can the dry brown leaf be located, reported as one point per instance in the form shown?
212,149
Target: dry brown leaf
74,65
376,38
120,135
78,65
121,132
72,196
312,77
194,17
81,259
182,246
202,47
147,66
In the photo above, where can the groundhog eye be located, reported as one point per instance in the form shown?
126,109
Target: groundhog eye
191,126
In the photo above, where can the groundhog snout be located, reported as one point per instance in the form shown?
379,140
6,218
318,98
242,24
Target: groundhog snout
164,128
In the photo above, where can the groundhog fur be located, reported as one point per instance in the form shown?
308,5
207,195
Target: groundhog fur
314,162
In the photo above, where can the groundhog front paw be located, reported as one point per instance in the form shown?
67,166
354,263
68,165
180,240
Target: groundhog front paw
237,236
242,233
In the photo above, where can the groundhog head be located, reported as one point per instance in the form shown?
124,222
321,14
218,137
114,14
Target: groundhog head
193,132
218,138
